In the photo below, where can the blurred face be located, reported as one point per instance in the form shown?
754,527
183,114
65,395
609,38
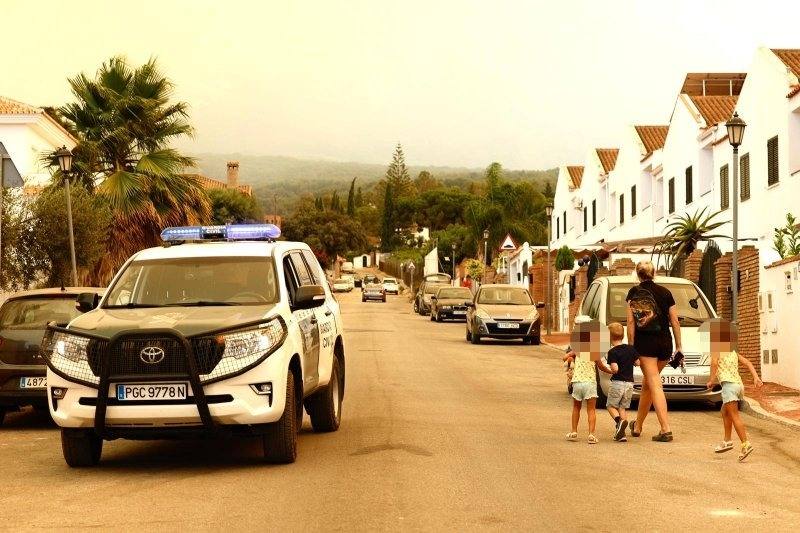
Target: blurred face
590,340
718,335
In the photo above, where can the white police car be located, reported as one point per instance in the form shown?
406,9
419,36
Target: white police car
220,331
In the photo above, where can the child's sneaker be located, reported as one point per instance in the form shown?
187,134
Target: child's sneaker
724,447
572,437
619,434
747,449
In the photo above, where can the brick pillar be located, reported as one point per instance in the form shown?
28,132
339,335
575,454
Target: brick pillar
723,275
691,266
749,318
622,267
581,285
489,275
538,288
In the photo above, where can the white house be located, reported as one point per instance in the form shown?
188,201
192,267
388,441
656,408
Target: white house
362,261
27,132
779,306
519,261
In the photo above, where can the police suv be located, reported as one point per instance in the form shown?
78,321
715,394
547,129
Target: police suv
221,330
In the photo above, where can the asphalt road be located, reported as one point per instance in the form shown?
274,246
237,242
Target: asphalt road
437,435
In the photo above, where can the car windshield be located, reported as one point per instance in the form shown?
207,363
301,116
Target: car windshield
691,306
35,313
195,281
454,293
389,280
504,296
431,288
340,281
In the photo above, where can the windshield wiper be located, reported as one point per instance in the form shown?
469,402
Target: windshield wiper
200,303
131,305
681,318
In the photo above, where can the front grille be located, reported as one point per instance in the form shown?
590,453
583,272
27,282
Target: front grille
692,359
124,357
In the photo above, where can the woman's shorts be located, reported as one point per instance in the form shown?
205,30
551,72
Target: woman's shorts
732,392
584,390
658,346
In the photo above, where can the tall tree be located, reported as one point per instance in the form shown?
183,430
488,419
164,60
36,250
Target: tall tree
494,175
397,174
388,219
426,182
231,205
351,199
548,190
125,122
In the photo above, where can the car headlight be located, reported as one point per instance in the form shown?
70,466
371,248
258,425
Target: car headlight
705,359
68,354
242,349
532,316
447,307
482,314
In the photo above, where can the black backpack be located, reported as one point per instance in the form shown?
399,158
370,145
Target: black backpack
646,312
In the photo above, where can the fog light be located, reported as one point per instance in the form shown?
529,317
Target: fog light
58,393
262,389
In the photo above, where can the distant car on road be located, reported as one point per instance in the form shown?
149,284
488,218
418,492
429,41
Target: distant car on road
369,279
605,301
23,319
504,312
358,281
422,302
450,303
350,279
390,286
374,291
341,285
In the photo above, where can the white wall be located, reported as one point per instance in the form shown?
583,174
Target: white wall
27,138
518,265
780,308
362,261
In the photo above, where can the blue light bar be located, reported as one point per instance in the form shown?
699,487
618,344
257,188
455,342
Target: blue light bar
231,232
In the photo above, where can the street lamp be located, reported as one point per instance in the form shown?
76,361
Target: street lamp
486,246
453,255
548,209
64,157
735,127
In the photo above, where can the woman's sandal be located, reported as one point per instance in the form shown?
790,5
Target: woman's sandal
633,432
572,437
592,439
665,436
747,449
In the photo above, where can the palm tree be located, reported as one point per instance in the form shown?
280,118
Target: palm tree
125,123
684,234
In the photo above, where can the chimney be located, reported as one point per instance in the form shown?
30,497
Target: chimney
233,174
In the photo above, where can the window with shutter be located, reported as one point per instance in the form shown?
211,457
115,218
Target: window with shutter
585,219
671,196
689,185
633,201
621,209
594,213
565,222
724,195
772,161
558,228
744,177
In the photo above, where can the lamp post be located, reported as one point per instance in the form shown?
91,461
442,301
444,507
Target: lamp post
486,247
548,209
735,127
453,257
64,157
411,269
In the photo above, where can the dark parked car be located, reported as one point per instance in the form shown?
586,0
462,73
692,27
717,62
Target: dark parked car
23,319
450,303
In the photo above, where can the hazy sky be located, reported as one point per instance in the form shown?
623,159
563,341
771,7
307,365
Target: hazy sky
529,84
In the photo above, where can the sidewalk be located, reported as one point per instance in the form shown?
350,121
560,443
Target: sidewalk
556,339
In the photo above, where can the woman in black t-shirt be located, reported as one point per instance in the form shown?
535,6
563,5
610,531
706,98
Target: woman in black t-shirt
651,313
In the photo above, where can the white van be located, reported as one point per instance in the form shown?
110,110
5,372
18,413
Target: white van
605,301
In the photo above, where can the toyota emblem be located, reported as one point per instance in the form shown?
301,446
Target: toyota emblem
152,355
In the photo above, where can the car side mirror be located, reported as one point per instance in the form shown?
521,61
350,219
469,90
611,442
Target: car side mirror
86,301
309,297
471,305
582,319
433,298
539,305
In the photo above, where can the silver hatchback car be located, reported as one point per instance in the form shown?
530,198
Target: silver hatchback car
605,301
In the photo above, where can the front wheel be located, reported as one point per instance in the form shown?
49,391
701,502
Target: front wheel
280,438
325,407
81,447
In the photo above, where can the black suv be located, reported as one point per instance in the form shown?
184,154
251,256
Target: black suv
23,319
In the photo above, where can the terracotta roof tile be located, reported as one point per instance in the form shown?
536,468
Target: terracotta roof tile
715,109
653,137
608,158
790,58
794,91
13,107
575,177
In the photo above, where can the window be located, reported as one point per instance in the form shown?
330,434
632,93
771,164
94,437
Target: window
565,222
689,185
621,209
313,267
772,161
594,213
300,268
558,228
633,201
724,194
671,196
587,300
744,179
585,219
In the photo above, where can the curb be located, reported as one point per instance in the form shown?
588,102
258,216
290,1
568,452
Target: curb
753,407
554,346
